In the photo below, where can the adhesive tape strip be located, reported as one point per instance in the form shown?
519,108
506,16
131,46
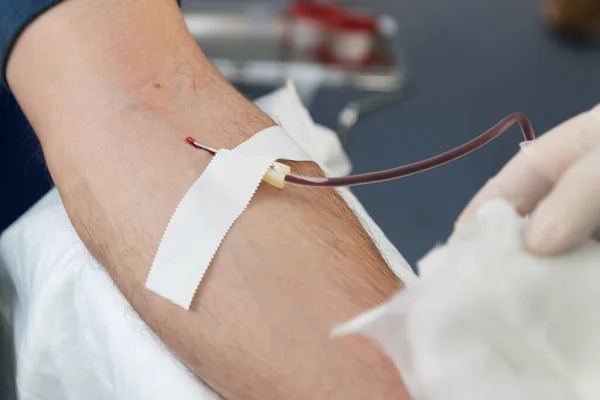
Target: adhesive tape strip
210,208
274,142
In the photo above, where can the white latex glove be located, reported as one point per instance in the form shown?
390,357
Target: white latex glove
557,177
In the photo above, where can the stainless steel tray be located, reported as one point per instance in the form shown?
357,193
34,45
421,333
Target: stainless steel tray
246,41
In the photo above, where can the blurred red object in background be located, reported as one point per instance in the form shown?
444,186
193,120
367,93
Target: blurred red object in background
309,21
335,34
351,36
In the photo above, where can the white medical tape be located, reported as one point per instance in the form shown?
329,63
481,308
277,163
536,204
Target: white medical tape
210,208
274,142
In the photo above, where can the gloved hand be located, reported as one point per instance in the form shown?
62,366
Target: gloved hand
557,177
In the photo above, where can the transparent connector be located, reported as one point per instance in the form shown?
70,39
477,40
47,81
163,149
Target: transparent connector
525,143
275,175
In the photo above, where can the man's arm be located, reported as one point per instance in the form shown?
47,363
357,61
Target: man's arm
112,88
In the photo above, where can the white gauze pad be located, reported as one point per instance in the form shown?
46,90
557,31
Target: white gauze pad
490,321
210,208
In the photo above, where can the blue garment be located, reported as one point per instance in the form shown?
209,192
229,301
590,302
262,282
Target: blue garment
15,15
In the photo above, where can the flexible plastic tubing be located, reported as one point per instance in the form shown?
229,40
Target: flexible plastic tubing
423,165
408,169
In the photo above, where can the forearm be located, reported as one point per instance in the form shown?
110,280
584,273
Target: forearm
112,88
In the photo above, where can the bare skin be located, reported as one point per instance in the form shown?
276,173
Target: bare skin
112,88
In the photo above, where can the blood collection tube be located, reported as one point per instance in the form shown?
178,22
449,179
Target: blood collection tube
351,36
309,23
